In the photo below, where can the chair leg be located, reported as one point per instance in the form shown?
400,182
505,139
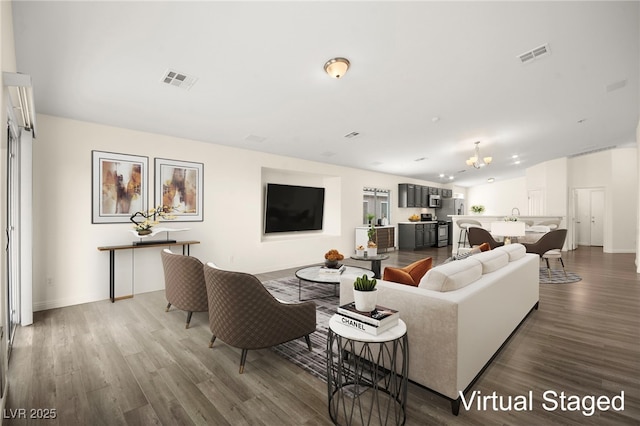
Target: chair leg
548,268
243,358
168,306
188,319
213,339
308,340
564,270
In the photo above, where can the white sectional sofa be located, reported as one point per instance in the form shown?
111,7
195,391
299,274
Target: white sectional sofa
461,314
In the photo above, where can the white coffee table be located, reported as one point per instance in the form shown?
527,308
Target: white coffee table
313,274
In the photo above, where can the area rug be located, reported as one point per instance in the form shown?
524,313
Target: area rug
296,351
557,277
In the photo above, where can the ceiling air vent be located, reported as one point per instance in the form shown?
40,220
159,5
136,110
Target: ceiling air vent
536,53
351,135
592,151
178,79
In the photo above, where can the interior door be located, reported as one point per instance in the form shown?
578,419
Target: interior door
589,216
536,202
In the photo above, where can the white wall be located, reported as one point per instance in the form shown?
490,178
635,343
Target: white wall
500,197
616,172
231,233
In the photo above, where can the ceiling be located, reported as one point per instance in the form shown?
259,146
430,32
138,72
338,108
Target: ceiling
427,79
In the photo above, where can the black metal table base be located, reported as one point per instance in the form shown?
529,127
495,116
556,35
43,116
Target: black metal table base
367,381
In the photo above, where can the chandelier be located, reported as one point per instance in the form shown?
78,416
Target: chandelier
475,158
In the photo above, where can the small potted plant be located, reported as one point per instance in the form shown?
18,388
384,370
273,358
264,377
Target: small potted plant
332,257
360,250
372,247
477,209
365,293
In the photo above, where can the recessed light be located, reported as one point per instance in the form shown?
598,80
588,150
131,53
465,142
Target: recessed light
441,175
514,156
450,177
516,162
435,119
491,180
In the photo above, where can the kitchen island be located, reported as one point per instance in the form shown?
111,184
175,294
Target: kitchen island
485,221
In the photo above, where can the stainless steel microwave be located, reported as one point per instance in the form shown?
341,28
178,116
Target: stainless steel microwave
435,201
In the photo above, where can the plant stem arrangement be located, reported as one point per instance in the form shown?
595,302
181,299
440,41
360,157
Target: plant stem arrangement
364,283
477,208
150,221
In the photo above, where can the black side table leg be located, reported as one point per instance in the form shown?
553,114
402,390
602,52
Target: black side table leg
112,274
375,267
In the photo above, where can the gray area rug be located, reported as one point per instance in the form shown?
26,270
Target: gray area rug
557,276
296,351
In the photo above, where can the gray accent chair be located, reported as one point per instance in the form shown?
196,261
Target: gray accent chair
549,246
243,314
184,283
477,236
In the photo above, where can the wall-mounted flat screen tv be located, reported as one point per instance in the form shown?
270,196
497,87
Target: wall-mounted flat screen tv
290,208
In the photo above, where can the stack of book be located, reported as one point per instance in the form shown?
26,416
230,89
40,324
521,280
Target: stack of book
375,322
337,271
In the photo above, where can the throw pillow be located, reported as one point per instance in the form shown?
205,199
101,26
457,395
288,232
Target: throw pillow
484,247
410,274
397,275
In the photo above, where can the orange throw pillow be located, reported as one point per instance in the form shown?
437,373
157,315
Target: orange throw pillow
397,275
410,274
484,247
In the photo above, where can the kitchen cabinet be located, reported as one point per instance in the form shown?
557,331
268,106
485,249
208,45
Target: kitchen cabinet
384,239
411,195
406,195
412,236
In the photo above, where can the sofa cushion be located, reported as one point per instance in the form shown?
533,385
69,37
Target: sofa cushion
515,251
452,276
410,274
492,260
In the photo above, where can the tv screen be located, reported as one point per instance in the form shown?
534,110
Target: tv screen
293,208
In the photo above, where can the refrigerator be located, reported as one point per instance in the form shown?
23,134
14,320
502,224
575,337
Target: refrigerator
450,206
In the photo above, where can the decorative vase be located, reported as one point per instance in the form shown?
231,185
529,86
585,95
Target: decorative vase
360,252
331,263
144,232
365,300
372,251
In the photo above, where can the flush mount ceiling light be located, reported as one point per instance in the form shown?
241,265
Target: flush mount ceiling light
337,67
474,159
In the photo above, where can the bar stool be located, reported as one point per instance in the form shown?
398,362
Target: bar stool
464,225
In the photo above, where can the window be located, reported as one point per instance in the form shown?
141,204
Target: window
376,203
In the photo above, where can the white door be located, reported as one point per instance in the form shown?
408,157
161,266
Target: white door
589,216
597,218
536,202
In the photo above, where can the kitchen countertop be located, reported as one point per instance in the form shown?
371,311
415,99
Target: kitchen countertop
407,222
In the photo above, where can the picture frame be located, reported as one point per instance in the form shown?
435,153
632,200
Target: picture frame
179,185
119,186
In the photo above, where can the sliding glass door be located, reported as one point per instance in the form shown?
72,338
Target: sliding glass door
12,247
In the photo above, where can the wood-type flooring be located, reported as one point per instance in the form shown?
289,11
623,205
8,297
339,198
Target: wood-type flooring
131,363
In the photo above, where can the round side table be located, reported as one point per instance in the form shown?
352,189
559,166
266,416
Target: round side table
367,374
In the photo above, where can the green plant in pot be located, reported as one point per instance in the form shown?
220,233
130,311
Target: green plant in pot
477,209
365,293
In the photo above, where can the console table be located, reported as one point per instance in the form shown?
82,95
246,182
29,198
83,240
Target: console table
112,258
